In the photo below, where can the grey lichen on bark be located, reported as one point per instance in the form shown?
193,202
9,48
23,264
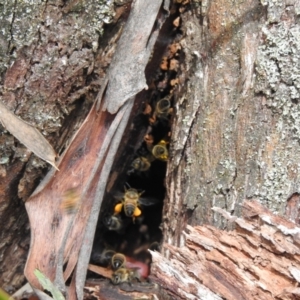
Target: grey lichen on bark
49,50
61,41
275,9
50,69
278,80
236,131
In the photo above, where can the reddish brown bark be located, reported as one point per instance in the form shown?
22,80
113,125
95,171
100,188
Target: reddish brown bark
235,132
258,260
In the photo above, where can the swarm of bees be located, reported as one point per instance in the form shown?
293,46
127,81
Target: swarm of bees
124,269
129,218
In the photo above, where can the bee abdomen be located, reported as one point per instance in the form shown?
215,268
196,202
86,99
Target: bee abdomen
118,261
160,151
129,209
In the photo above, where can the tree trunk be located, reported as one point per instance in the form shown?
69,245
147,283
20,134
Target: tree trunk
50,63
235,130
234,127
235,137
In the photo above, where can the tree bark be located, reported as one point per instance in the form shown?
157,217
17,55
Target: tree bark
50,62
257,260
235,124
235,130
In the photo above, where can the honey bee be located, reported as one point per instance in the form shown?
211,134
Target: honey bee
131,202
118,261
70,201
164,63
103,257
106,257
142,163
113,222
162,110
160,151
125,275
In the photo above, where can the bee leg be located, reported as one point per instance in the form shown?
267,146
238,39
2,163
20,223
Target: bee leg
137,212
118,208
139,219
130,171
152,119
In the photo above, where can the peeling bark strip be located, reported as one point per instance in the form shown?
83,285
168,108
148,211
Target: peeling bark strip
126,76
259,260
27,135
86,164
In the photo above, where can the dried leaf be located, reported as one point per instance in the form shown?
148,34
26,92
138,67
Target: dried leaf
27,135
80,167
48,285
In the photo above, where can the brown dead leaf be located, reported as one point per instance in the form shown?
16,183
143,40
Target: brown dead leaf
27,135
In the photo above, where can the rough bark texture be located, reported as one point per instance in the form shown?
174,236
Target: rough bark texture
49,77
236,126
259,260
235,132
86,165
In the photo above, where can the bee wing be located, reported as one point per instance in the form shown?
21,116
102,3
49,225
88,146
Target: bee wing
118,195
147,201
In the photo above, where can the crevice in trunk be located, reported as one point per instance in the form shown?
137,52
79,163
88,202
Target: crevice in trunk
148,127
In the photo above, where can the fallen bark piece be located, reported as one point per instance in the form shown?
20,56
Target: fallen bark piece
256,261
27,135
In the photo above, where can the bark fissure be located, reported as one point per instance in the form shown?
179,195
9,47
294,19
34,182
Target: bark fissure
11,28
